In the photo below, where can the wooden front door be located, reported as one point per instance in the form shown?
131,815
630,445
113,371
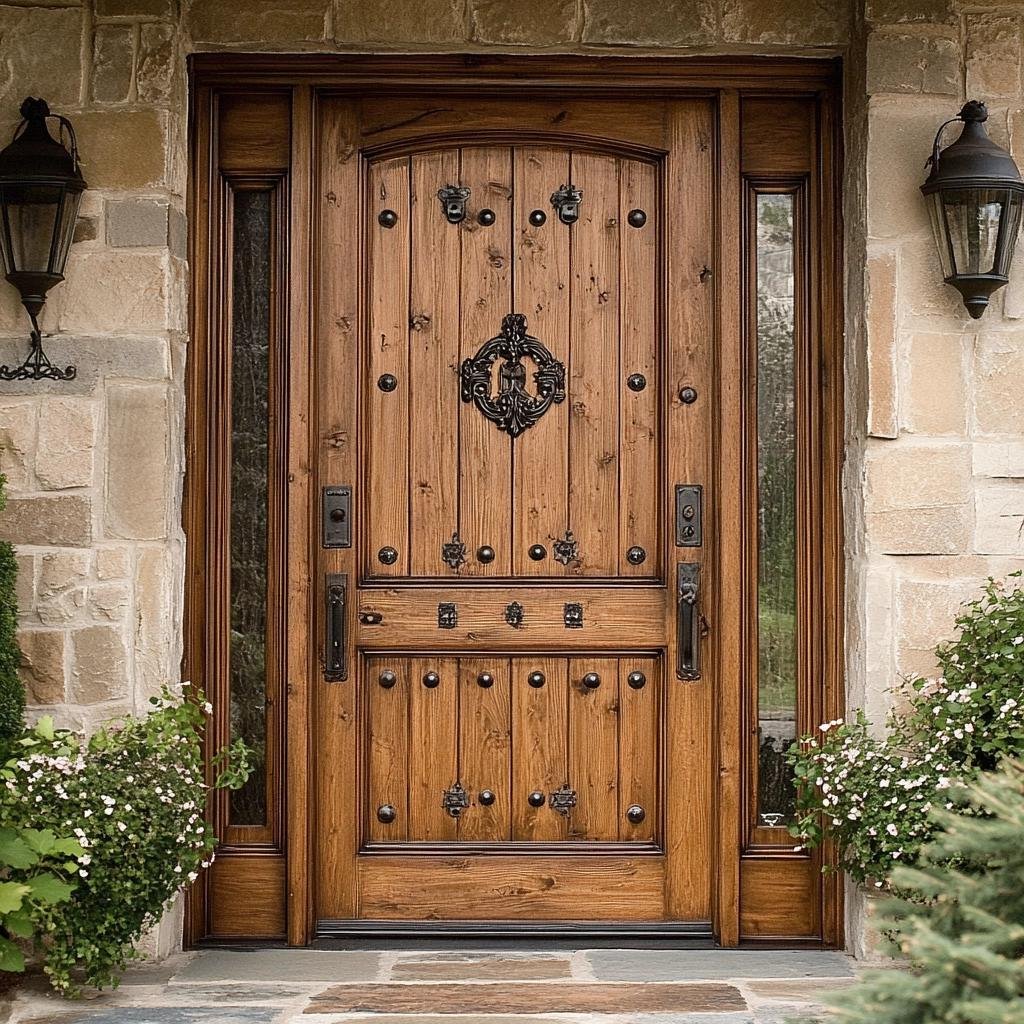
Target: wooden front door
530,708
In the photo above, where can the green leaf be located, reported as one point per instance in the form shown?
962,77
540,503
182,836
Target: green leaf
50,889
11,958
14,851
44,728
12,896
41,840
68,848
19,924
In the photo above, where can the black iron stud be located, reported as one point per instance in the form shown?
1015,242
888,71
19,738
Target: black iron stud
636,680
431,679
536,679
387,679
636,218
538,217
486,217
487,797
636,382
536,798
636,814
538,552
387,382
485,679
386,814
485,554
387,218
591,680
688,395
636,555
387,556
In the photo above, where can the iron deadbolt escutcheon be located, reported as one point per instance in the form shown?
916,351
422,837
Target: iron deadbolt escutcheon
386,814
566,201
485,554
636,555
591,680
387,218
387,382
536,679
636,814
336,516
387,679
538,552
689,515
486,797
485,679
387,556
636,382
453,202
486,217
538,218
536,799
431,680
636,680
636,218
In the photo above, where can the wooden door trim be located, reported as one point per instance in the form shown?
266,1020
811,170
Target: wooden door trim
309,76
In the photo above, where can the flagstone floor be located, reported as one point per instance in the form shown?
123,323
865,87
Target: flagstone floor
609,986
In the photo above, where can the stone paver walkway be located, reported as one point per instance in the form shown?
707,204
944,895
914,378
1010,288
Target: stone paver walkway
606,986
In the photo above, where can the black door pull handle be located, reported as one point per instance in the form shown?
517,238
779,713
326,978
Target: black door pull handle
688,621
336,590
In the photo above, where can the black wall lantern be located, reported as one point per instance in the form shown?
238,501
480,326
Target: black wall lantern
41,186
975,195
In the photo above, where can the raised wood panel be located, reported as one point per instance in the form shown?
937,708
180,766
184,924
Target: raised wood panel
593,770
388,740
639,747
433,747
254,132
447,888
245,897
779,898
778,136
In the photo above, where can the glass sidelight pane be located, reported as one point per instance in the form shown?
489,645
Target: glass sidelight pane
776,507
250,398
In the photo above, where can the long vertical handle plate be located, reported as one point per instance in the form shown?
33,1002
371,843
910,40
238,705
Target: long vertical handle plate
688,621
336,592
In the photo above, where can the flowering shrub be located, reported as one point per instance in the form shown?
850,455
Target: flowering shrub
133,798
874,796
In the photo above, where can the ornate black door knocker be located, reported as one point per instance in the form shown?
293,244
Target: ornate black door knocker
513,408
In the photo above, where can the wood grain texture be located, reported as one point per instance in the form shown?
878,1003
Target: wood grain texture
777,898
545,888
386,439
246,897
433,747
542,294
434,317
387,736
594,366
540,733
640,747
485,748
485,453
594,749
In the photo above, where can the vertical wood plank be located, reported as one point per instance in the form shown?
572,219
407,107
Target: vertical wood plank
485,453
485,748
539,734
640,428
386,444
338,362
433,365
692,271
541,458
639,747
388,747
594,382
594,749
433,747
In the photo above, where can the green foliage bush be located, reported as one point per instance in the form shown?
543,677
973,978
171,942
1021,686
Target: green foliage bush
133,798
12,693
964,932
875,795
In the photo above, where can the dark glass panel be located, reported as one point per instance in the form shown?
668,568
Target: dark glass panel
776,477
250,398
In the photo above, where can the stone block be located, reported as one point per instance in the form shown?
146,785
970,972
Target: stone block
113,57
928,531
383,22
879,653
264,21
87,229
999,460
993,53
25,589
99,665
67,443
61,520
935,400
786,22
923,292
882,328
113,563
999,518
42,56
925,613
896,12
177,233
919,476
135,8
524,22
121,149
155,70
908,63
115,292
155,630
998,373
108,601
901,130
42,665
134,223
640,23
138,471
60,588
17,443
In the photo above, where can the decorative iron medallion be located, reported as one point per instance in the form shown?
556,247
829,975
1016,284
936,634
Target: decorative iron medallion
455,800
514,614
566,549
563,800
453,553
513,408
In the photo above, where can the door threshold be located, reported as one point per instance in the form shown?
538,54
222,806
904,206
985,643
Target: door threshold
355,934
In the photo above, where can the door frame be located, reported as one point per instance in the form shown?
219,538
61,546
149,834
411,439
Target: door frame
298,80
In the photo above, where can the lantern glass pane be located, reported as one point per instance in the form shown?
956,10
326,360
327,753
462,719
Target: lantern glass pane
65,231
938,221
973,216
30,212
1011,229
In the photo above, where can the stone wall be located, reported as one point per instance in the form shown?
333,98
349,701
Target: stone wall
934,491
